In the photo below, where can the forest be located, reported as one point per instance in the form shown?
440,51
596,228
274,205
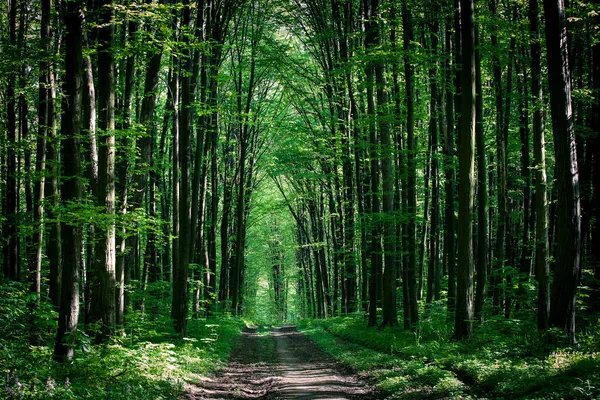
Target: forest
197,196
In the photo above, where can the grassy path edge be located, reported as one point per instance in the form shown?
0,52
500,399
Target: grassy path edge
393,376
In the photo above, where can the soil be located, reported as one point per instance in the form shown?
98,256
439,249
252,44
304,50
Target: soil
282,365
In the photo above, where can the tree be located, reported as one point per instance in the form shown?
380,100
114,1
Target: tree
412,307
389,229
482,194
542,270
11,239
371,37
568,209
104,292
463,322
72,14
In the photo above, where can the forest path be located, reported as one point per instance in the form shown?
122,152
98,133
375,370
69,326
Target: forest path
282,365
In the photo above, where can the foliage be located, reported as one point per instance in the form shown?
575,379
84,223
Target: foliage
506,359
148,361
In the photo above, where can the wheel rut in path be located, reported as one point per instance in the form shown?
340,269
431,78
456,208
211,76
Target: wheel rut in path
283,365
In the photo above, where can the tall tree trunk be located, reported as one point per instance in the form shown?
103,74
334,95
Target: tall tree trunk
91,174
525,264
568,210
71,185
482,191
54,242
542,270
501,188
180,285
412,307
175,184
44,125
9,230
374,155
510,247
463,323
350,259
450,175
105,236
595,150
122,186
389,227
26,170
433,270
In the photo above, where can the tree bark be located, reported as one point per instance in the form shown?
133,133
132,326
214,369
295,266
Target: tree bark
45,122
105,233
180,285
412,307
450,175
542,269
482,191
568,210
71,185
463,323
10,230
497,273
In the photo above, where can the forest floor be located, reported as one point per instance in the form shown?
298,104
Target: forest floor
280,364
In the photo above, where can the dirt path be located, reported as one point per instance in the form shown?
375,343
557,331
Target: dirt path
282,365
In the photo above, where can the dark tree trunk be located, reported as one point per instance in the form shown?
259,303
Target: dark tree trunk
9,231
105,252
568,228
350,259
501,188
374,155
525,261
463,323
542,270
412,307
180,285
71,184
595,201
450,174
433,269
482,194
45,123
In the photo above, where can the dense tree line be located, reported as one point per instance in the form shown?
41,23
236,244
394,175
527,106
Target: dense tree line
427,153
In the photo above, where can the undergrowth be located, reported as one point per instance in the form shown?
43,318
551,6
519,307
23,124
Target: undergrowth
147,361
507,358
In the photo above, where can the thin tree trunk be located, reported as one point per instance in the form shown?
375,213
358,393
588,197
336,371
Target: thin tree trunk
54,242
412,307
463,323
542,270
180,285
482,191
105,237
44,126
450,175
9,230
121,185
390,317
497,274
433,270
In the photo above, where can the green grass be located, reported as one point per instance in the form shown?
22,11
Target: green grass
148,362
507,359
398,376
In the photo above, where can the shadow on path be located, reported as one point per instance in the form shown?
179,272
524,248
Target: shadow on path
305,372
283,365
